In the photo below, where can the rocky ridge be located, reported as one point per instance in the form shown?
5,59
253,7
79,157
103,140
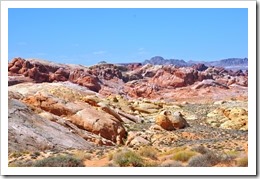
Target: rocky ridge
229,63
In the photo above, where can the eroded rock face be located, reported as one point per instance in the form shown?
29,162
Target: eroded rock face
28,131
74,104
46,103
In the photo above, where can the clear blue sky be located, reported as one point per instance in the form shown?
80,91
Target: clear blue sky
87,36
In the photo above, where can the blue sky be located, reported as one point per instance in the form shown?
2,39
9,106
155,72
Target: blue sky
88,36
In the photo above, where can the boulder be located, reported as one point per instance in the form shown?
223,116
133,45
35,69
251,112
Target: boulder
178,120
100,123
163,121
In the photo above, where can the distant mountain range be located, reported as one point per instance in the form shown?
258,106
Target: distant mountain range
230,63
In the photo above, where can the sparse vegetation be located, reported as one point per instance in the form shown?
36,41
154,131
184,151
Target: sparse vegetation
171,164
183,156
242,162
28,163
206,160
82,155
149,163
59,161
148,151
233,153
128,158
18,154
200,149
174,150
199,161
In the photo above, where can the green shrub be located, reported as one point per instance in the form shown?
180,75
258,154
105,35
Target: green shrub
183,155
128,158
59,161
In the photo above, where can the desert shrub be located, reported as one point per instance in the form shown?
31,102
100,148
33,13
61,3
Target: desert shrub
18,154
82,155
183,155
110,156
199,161
27,163
174,150
171,164
128,158
206,160
34,155
59,161
213,158
148,151
233,153
149,163
242,162
37,153
227,158
200,149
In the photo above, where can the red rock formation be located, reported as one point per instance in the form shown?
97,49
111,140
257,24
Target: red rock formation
133,66
133,80
49,73
200,67
82,78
